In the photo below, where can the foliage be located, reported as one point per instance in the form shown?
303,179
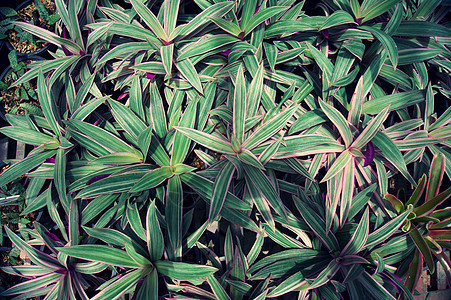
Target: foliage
277,124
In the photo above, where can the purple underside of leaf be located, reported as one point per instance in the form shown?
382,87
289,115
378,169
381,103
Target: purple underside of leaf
122,96
52,236
369,154
97,178
150,75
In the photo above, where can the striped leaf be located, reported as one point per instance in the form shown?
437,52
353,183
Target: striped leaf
387,230
339,17
341,162
27,136
181,144
371,129
101,253
149,18
339,121
188,71
359,238
269,128
99,141
119,287
152,179
154,236
207,140
183,271
127,119
376,8
21,167
239,105
261,16
386,41
167,53
220,190
48,104
174,215
317,225
217,289
50,37
266,188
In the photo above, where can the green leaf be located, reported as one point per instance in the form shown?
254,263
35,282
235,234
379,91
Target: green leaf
122,182
260,203
326,275
149,288
323,62
183,271
152,179
206,44
174,213
127,119
33,160
204,187
227,26
123,49
239,105
423,248
421,28
416,55
341,162
317,225
32,285
50,37
48,104
435,176
170,14
359,238
85,110
377,8
182,143
373,287
154,236
386,41
292,283
207,140
135,220
387,230
339,121
269,128
120,286
261,16
392,154
99,141
100,253
429,206
217,289
27,136
201,19
149,18
188,71
339,17
371,129
266,188
157,111
59,178
153,67
220,190
167,53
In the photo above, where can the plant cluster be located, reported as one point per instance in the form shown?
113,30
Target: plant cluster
236,150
